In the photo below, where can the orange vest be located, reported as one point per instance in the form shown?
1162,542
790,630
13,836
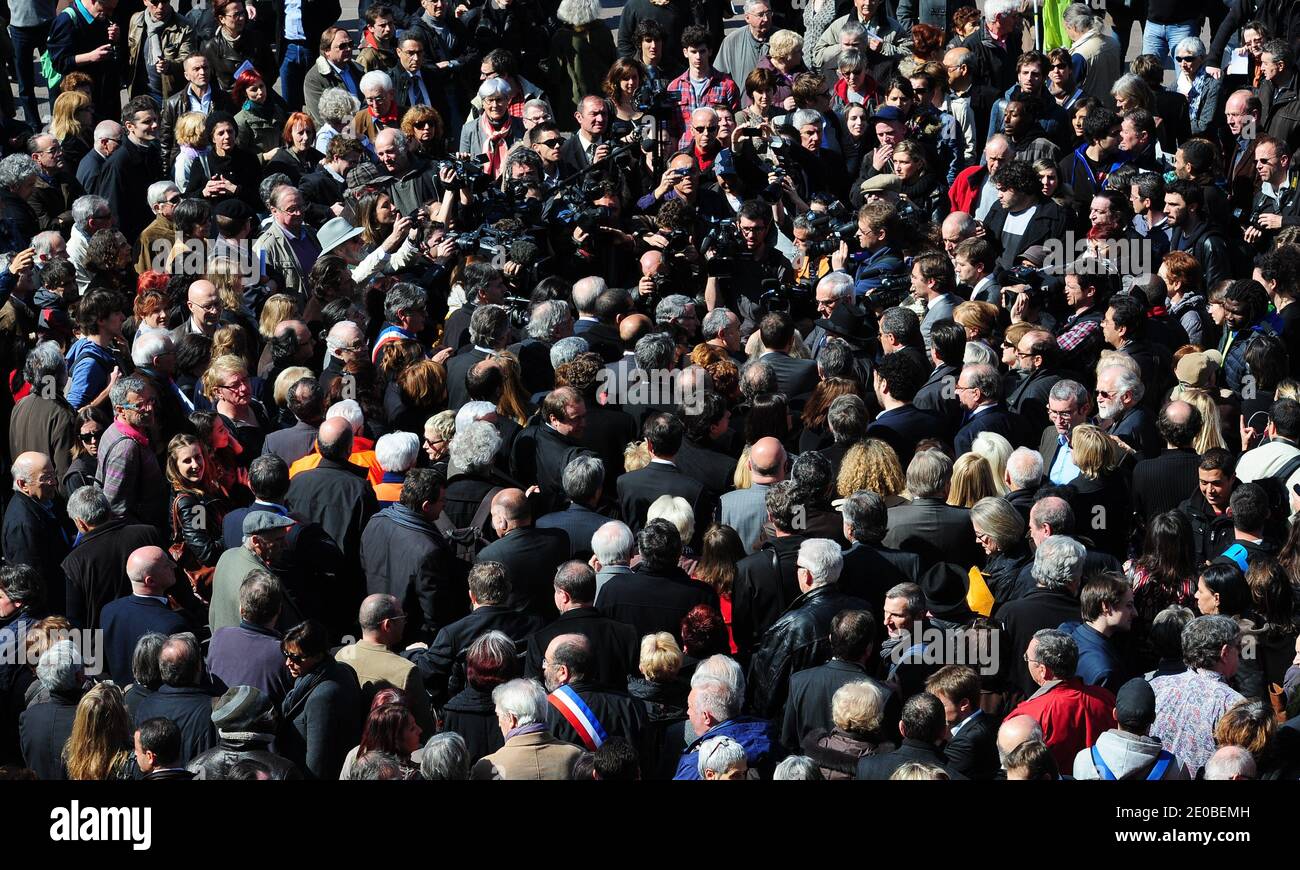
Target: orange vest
363,456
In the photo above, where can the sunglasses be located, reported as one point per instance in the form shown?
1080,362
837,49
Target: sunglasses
89,437
551,143
711,128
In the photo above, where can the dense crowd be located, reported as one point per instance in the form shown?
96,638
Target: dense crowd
486,392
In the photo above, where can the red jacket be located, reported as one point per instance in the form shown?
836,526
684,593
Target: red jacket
965,190
1072,717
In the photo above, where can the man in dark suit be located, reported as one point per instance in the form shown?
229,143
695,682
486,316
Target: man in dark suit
808,707
587,145
1068,405
938,394
35,530
766,581
870,568
901,425
794,377
972,749
979,389
542,453
1036,367
928,525
151,574
638,489
414,82
489,331
697,457
1124,327
442,663
95,569
1163,483
181,698
656,594
1058,565
583,486
616,646
306,401
530,555
922,727
569,670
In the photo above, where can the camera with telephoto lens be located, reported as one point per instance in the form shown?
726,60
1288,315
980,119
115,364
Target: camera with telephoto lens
656,101
834,226
469,173
518,308
727,244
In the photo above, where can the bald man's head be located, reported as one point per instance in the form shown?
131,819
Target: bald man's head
1179,423
33,475
568,660
510,510
150,571
633,327
204,304
767,460
335,439
1015,731
379,612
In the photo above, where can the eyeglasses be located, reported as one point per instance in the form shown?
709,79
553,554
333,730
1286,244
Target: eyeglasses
172,200
1020,354
551,143
213,306
138,406
56,148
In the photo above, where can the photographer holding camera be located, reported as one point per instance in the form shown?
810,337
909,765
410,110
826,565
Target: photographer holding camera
596,242
738,284
876,262
1276,204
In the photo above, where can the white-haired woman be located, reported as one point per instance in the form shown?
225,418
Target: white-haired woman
677,511
857,711
337,108
582,50
495,131
1193,82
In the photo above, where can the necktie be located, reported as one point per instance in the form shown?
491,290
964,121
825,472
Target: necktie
416,96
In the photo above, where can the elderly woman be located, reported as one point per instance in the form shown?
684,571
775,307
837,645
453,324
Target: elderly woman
722,758
582,49
337,108
18,175
785,58
494,132
226,385
396,454
857,709
677,511
438,432
490,661
1000,531
45,726
445,757
1130,92
1101,500
474,475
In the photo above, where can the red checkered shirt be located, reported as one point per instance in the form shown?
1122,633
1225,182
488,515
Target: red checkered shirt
720,91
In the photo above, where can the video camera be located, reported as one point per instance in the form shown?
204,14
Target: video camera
840,227
724,240
469,173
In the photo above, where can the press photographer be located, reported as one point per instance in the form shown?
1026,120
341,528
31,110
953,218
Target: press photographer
876,267
741,258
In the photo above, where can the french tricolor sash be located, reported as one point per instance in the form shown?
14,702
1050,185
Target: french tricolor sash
579,715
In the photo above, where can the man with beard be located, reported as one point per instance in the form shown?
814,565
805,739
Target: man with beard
1120,412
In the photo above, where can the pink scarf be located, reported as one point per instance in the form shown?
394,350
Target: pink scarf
496,145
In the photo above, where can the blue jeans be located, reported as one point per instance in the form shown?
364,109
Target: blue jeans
293,69
1162,39
29,42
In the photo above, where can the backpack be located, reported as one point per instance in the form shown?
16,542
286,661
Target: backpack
468,541
1157,771
1279,500
52,75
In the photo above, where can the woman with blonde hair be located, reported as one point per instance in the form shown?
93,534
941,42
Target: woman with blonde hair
73,124
438,432
1101,503
226,385
1211,434
101,744
980,319
396,356
233,340
857,711
277,309
677,511
872,464
228,276
972,480
636,455
785,58
658,686
191,146
997,450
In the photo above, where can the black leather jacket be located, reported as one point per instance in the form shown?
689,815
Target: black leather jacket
199,524
799,639
229,751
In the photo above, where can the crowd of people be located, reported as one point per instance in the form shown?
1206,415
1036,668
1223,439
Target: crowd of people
854,392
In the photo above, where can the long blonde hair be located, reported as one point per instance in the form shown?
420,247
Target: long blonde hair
101,735
972,480
64,122
1211,434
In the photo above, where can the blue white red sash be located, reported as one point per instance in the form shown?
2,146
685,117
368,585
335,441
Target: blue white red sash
579,715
